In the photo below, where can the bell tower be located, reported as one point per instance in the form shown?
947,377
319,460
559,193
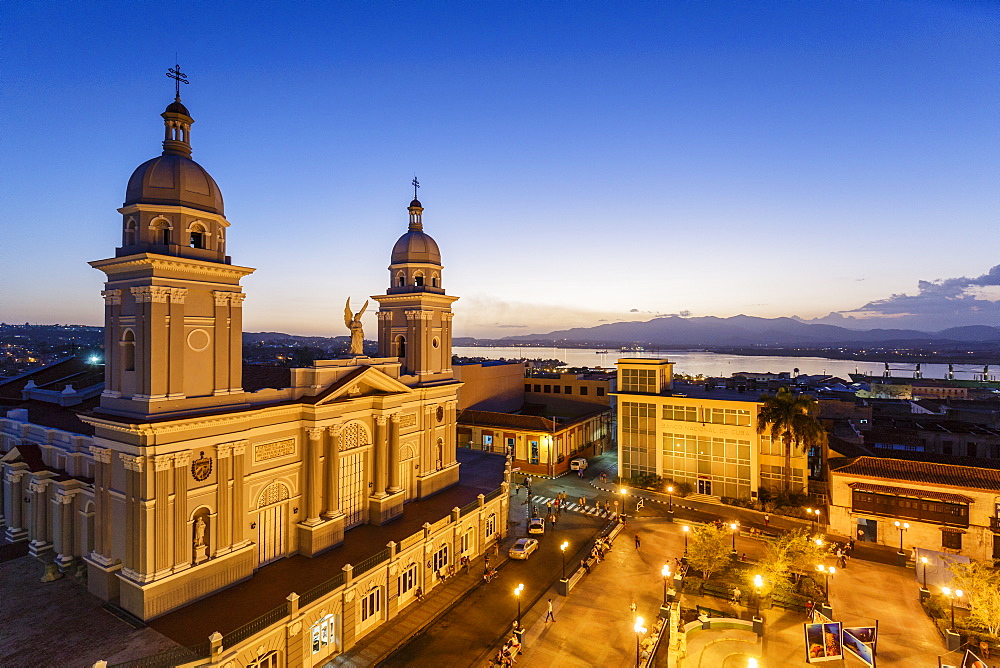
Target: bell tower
415,317
173,322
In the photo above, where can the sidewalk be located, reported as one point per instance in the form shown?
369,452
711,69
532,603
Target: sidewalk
409,622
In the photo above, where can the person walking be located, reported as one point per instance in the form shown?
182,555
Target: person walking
632,607
548,615
737,595
637,541
767,520
809,609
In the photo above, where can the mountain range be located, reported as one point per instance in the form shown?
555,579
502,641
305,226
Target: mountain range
743,330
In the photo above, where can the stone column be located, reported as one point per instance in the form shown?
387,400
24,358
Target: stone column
236,342
163,466
39,515
221,371
64,529
384,333
223,519
332,494
449,441
112,350
176,339
314,480
394,453
379,459
102,505
182,542
14,492
446,319
239,503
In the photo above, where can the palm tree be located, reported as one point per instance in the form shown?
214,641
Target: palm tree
792,417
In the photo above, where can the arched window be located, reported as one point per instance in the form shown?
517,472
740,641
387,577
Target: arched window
400,346
220,243
400,280
418,280
130,232
128,350
435,281
161,231
198,236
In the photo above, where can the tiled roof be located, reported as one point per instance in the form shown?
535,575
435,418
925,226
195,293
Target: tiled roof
908,493
72,370
505,420
920,472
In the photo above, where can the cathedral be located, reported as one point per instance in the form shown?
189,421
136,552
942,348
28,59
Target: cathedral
184,478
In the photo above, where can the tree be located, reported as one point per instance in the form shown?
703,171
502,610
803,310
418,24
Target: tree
709,549
793,553
792,418
981,586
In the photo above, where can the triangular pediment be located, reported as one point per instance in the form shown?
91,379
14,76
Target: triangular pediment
363,382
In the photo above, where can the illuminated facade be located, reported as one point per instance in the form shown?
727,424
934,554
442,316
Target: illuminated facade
181,482
706,438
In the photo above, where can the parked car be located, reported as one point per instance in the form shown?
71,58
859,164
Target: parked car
523,548
578,464
536,525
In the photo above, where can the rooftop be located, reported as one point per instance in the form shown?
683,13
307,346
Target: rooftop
927,473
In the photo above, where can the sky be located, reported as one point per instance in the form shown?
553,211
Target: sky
581,162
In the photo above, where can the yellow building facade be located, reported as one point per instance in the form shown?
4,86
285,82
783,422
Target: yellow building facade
707,438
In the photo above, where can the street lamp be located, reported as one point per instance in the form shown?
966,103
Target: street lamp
670,491
517,592
923,560
952,595
685,529
639,630
562,548
813,515
734,526
622,512
751,662
758,583
902,527
666,574
827,571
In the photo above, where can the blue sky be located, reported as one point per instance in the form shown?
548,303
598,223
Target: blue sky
581,161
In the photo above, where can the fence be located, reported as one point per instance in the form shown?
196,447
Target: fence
371,562
272,616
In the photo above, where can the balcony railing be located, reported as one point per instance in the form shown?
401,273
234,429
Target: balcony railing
995,524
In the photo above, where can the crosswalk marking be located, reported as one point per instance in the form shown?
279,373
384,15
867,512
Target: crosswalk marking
573,507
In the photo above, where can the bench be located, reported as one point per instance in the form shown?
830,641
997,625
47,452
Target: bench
711,612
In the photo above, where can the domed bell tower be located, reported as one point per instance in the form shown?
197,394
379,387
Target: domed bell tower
415,317
173,303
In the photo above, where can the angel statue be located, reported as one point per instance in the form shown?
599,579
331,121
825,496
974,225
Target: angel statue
353,323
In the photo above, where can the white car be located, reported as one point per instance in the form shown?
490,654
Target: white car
578,464
523,548
536,525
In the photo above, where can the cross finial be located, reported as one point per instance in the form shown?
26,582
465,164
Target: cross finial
416,184
179,78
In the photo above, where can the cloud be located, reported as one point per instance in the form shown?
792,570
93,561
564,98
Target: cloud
938,304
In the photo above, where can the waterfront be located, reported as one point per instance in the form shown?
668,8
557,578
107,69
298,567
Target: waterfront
720,364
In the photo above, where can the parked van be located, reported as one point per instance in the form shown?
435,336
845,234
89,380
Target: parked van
578,464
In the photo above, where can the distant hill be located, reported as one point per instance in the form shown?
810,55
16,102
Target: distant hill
743,330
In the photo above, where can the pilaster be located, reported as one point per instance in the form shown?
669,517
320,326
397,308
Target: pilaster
223,521
379,458
313,482
163,465
182,553
393,447
239,503
332,489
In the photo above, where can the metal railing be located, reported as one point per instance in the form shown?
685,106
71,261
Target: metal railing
371,562
170,658
319,590
468,508
256,626
494,494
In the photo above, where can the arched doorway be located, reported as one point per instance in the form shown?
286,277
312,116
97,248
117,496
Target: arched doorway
354,445
271,522
408,472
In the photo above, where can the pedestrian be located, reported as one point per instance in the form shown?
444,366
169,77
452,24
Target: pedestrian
553,520
420,593
548,615
580,473
737,595
585,565
637,542
767,520
548,508
843,560
632,607
809,609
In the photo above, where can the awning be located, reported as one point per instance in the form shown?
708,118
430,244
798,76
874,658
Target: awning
909,493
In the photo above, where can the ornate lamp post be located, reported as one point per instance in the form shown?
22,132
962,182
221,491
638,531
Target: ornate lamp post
517,592
686,529
827,571
670,491
735,527
622,512
666,574
639,630
813,516
562,548
902,527
952,595
923,560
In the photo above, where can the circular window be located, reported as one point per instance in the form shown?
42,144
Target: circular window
435,342
198,340
440,414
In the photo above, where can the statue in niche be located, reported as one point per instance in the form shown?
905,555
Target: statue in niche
199,532
353,323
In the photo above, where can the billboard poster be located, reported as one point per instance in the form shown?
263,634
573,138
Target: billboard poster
972,661
823,642
855,646
865,634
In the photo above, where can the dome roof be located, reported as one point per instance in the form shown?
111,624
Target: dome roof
176,107
177,180
416,246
